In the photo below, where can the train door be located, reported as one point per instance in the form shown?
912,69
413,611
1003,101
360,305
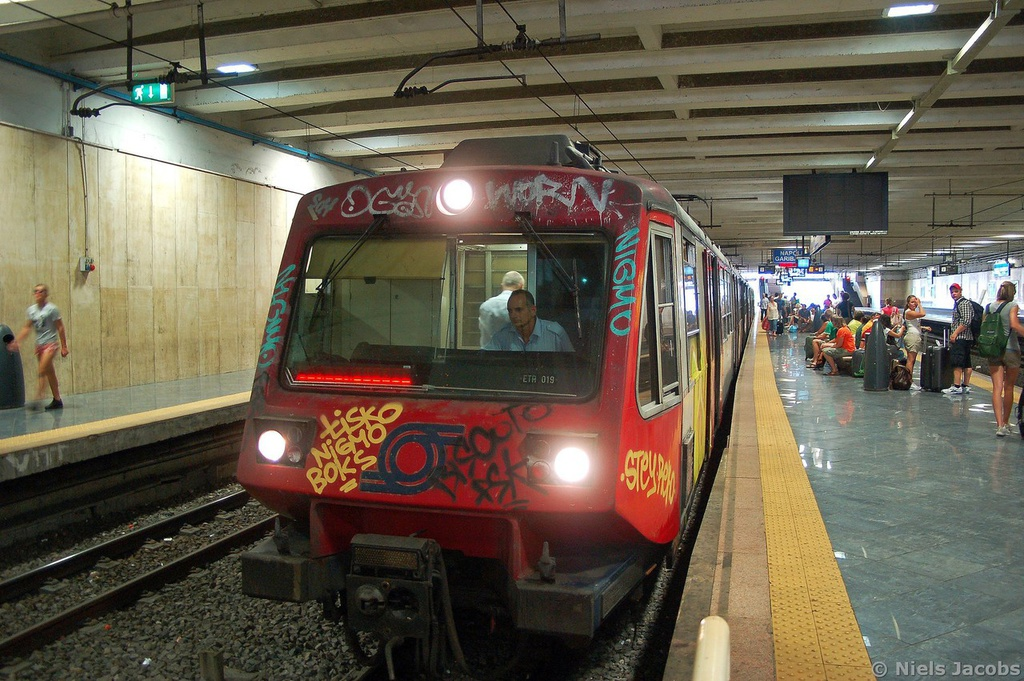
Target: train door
714,338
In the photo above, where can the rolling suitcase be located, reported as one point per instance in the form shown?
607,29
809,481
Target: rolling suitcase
936,370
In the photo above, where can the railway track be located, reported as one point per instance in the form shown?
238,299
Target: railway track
38,634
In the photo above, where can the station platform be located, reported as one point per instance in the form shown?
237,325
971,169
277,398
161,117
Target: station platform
859,535
99,423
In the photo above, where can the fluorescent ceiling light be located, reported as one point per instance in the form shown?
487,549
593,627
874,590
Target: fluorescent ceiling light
236,69
908,10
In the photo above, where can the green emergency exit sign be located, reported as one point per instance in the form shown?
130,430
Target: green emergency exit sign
152,93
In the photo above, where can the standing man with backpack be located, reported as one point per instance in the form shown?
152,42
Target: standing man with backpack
960,340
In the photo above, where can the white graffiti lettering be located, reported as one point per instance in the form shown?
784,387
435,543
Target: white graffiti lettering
521,194
407,201
321,206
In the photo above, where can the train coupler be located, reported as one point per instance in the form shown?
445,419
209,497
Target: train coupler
396,589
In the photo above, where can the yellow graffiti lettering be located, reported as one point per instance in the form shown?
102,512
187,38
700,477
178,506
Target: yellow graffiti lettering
342,447
650,474
316,479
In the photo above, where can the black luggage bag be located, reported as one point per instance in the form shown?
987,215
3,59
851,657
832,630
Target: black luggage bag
809,347
936,369
857,363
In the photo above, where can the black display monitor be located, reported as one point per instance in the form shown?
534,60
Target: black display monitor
835,203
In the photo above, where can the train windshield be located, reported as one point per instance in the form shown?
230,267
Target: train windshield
404,313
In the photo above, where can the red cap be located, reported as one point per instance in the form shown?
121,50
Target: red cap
956,286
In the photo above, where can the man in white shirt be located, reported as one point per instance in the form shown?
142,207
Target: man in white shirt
494,311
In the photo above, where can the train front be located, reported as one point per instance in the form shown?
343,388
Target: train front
401,451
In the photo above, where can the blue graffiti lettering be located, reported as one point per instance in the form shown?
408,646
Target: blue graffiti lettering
431,439
272,334
624,276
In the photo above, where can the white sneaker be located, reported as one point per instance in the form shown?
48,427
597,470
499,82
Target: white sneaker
1008,429
967,388
915,386
1001,431
953,390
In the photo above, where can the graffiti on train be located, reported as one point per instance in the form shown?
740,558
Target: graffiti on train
273,333
405,200
650,474
623,282
579,194
366,449
321,205
343,444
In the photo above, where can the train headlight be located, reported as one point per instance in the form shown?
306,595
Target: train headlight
283,441
272,445
454,197
572,464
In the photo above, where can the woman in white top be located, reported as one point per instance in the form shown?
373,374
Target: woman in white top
1004,369
773,317
913,339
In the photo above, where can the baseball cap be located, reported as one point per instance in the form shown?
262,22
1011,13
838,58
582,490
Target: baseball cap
956,286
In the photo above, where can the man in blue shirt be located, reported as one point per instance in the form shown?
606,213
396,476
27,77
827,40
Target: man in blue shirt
526,332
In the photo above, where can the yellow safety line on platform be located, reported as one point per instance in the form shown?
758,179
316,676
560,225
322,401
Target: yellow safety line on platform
50,437
816,633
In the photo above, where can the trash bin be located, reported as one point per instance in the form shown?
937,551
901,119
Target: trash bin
876,360
12,379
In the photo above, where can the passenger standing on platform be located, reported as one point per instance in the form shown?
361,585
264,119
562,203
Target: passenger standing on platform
845,307
1004,369
773,317
960,342
44,317
764,306
913,339
493,311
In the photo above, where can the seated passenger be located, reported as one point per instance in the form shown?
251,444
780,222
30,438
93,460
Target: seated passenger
842,347
857,322
865,330
525,331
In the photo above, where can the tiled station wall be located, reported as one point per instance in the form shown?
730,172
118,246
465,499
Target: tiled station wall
185,260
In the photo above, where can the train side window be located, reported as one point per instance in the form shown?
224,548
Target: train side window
658,368
691,304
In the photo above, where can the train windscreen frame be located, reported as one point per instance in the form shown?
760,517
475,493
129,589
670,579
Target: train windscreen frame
391,313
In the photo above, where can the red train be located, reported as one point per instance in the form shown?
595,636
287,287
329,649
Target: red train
417,468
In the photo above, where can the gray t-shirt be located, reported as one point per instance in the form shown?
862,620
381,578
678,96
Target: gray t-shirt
45,322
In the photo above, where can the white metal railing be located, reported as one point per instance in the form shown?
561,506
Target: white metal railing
711,662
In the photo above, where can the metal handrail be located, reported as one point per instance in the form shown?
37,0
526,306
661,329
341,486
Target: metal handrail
712,660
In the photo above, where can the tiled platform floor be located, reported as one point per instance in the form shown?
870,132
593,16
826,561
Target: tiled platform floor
924,507
105,404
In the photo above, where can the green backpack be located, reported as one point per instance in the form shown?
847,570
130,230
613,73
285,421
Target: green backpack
993,337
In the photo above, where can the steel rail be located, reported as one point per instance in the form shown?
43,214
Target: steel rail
33,579
49,630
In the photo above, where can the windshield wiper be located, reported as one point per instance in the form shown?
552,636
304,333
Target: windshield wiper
526,223
337,266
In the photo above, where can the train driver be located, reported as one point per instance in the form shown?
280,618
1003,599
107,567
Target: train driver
525,331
